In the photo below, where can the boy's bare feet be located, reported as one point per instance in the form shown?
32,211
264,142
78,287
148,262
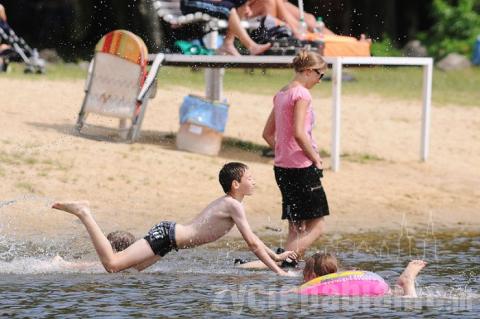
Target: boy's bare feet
258,49
407,278
78,209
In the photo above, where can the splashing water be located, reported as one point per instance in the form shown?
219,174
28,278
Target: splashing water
47,201
206,280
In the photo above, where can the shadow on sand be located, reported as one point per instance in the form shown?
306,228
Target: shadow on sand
232,149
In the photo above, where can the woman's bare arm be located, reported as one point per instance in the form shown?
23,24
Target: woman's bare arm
269,130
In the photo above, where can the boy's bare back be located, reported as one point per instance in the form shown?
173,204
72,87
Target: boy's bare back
209,225
213,222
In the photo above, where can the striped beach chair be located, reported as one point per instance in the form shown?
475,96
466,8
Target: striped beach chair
118,84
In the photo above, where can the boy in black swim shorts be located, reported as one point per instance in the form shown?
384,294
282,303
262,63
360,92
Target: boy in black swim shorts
217,219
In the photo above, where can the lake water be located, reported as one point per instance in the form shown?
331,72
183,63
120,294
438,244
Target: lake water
203,282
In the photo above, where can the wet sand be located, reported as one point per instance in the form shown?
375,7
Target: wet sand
381,186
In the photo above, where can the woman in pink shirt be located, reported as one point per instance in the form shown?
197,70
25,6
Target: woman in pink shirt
298,166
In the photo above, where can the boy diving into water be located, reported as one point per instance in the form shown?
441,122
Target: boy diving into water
216,220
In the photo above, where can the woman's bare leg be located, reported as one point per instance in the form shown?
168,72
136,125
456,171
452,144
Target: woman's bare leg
135,254
228,46
302,235
235,28
3,15
277,9
262,7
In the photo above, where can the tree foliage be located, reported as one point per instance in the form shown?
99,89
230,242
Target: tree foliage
457,24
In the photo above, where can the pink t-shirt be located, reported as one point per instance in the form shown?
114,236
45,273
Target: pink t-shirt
288,153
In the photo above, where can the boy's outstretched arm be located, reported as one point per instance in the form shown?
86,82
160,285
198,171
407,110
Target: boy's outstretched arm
282,256
254,243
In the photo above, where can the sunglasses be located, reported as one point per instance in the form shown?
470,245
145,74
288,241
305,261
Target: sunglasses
319,73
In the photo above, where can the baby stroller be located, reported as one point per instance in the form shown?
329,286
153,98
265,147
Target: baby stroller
19,50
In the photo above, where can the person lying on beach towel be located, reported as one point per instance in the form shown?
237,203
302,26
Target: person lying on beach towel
216,220
287,13
284,12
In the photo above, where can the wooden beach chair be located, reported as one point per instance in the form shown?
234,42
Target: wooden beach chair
118,84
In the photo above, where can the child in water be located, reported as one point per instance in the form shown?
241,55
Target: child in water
321,264
119,240
216,220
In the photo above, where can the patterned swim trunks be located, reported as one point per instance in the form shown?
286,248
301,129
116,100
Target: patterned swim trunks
161,238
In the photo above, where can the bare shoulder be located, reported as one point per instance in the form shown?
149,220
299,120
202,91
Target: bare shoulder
225,203
233,206
231,202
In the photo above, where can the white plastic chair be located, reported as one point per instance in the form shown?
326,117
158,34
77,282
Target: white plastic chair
118,84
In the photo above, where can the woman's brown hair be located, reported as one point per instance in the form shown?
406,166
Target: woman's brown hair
305,60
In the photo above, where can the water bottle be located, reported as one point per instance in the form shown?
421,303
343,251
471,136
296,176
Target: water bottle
319,26
302,29
476,52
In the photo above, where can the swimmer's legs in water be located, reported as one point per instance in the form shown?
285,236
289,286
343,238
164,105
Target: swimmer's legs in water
407,279
57,260
138,255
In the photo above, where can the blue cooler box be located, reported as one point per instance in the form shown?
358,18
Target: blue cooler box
202,123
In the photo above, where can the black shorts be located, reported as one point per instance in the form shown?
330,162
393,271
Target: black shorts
161,238
303,196
217,9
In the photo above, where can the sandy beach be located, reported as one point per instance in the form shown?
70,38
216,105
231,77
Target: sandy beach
381,186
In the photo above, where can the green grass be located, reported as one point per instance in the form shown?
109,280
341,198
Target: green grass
362,158
247,146
26,187
32,160
457,87
61,71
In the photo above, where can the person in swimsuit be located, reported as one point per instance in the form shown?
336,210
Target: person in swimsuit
287,13
216,220
227,10
321,264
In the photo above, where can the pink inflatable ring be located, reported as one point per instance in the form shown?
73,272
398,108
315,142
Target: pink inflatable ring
346,283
